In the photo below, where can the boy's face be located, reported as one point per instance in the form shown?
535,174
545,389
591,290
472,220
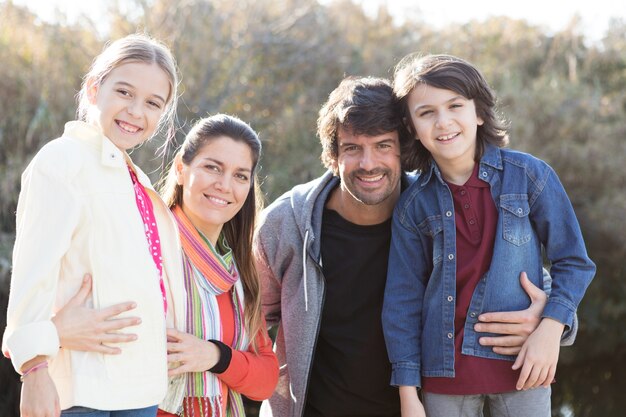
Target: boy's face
446,123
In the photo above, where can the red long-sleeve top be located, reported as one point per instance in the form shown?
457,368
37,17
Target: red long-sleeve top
254,375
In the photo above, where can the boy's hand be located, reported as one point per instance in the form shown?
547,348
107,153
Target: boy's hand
410,404
539,355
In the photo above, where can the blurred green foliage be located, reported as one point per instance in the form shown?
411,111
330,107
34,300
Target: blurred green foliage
273,63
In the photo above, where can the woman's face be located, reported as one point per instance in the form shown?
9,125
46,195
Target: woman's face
215,184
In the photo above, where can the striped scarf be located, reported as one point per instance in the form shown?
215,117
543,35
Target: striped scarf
207,275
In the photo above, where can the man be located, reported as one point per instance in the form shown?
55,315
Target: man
322,251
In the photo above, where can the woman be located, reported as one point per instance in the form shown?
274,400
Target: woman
225,351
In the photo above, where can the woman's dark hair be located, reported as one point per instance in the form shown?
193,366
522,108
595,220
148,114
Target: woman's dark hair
239,230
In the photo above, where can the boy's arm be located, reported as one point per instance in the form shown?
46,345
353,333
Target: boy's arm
556,225
410,404
402,306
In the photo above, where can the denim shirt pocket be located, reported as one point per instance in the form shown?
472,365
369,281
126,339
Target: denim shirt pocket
516,227
433,227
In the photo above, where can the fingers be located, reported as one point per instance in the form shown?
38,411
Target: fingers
119,324
174,334
507,350
535,293
83,293
504,317
499,328
117,309
502,341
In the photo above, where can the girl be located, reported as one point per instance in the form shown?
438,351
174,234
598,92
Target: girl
84,206
214,196
477,216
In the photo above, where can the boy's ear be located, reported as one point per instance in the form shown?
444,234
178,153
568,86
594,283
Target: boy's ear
91,87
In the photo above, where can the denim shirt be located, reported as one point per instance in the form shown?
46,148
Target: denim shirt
534,214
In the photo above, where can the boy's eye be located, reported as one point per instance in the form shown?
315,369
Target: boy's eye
350,148
456,105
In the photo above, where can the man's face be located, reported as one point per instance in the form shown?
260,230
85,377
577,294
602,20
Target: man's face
369,166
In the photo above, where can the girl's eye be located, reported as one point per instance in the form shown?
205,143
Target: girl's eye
425,113
154,104
123,92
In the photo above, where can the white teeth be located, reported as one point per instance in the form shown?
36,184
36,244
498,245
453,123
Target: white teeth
217,200
447,137
374,179
127,127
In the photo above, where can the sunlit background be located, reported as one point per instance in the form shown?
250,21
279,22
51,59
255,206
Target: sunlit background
558,67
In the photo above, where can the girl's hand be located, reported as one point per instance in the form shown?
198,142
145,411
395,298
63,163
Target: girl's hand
83,328
539,355
189,354
39,396
410,404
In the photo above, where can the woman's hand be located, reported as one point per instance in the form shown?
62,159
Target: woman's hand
187,353
87,329
39,395
514,326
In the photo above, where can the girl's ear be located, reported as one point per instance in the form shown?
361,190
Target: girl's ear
179,166
91,87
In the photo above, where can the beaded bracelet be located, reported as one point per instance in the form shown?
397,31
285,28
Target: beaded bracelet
40,365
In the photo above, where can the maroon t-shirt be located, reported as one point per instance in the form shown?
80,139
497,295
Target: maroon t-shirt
476,219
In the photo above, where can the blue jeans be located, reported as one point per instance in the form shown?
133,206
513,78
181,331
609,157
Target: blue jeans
90,412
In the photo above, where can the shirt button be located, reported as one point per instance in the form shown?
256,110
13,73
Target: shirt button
466,206
451,256
472,314
462,192
448,213
449,335
450,298
520,211
112,156
472,221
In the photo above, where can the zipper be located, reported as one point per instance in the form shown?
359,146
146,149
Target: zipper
317,332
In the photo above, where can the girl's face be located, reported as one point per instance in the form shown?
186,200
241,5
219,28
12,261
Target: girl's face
128,104
215,184
446,123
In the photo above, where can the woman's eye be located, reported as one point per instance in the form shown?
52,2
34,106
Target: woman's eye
123,92
154,104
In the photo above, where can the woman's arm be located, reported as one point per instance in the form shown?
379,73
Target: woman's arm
87,329
252,374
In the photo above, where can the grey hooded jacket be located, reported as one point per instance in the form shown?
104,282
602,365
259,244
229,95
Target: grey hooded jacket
287,251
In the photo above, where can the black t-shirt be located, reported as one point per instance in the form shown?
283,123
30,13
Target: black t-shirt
351,371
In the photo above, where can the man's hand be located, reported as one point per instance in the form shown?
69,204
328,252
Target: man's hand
83,328
514,326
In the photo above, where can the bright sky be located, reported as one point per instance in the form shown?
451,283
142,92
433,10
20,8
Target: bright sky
552,14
